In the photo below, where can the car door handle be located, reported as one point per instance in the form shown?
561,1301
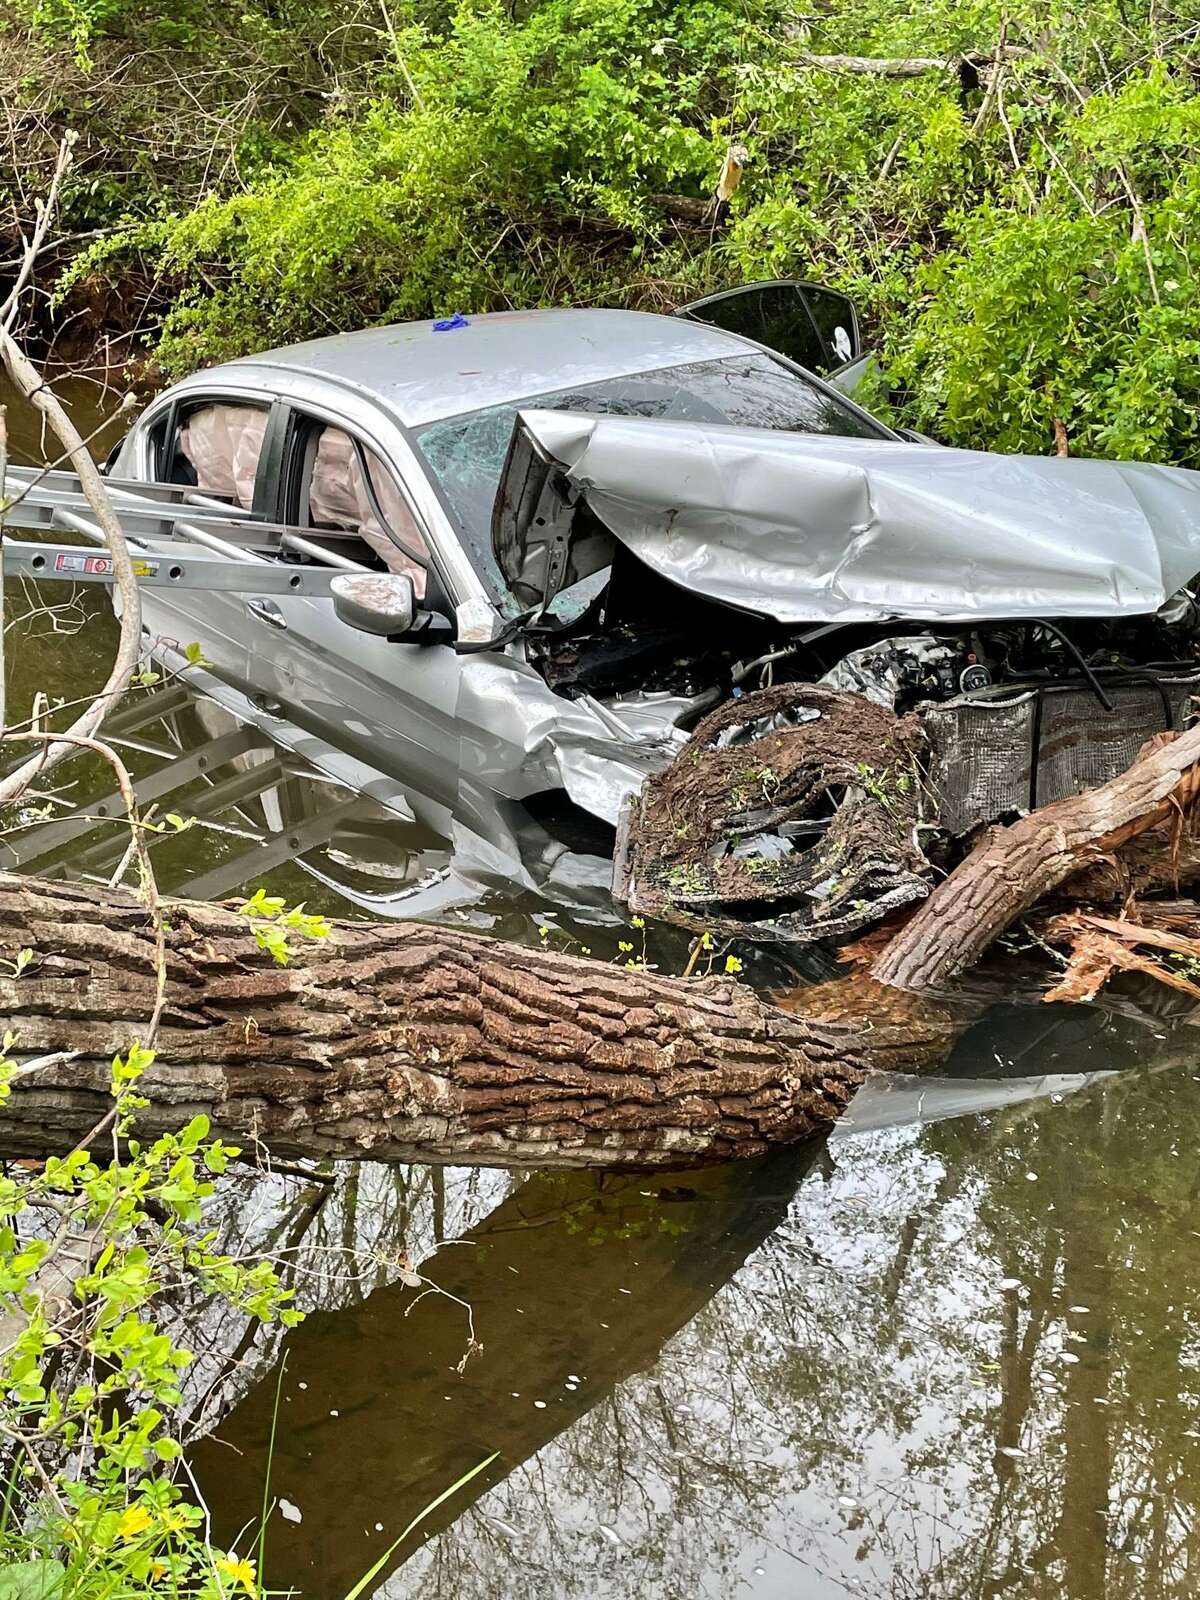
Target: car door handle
267,611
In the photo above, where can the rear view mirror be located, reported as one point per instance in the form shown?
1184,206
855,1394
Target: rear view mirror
382,603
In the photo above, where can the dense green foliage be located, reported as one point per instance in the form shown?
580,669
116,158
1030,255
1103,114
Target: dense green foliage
1022,241
92,1248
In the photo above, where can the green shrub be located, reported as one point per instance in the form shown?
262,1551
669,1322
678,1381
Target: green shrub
1023,256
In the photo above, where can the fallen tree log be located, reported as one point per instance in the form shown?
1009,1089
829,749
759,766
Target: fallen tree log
400,1042
1017,865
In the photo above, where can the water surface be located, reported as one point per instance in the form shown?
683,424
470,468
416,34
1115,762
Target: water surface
930,1358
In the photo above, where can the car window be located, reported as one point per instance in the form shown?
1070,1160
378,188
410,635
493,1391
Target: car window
466,454
215,448
834,317
346,487
811,325
773,316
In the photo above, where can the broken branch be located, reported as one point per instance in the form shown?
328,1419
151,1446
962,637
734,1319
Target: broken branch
908,66
1017,865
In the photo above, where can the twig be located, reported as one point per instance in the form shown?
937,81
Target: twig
1139,229
890,159
26,377
1012,144
45,213
1078,192
693,957
988,105
148,886
57,1058
400,61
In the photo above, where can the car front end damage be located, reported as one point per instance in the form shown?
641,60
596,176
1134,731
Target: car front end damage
1024,624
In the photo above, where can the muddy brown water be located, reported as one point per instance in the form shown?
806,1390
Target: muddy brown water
955,1352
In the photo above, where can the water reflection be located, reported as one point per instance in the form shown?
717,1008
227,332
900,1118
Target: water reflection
954,1359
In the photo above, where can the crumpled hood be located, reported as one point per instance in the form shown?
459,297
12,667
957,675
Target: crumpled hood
812,528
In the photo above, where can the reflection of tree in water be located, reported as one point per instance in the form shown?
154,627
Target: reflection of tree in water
866,1353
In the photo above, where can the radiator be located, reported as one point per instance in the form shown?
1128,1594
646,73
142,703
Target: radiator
1007,750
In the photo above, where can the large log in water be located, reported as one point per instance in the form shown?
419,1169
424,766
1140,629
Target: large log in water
1016,866
402,1043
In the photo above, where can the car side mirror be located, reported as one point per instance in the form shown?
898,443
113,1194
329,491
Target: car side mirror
381,603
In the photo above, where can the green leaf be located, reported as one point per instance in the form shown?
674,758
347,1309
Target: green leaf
32,1580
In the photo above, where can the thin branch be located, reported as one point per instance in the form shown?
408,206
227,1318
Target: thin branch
987,106
45,214
148,885
1002,114
28,380
909,66
1139,229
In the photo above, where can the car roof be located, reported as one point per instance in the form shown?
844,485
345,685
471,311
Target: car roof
499,357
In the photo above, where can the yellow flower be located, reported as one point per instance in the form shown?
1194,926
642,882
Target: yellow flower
133,1522
240,1571
732,964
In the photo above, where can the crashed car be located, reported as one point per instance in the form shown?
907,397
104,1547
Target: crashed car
565,536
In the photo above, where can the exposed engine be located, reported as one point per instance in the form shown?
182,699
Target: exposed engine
649,635
1015,713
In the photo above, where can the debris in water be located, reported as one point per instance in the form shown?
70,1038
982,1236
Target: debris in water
1011,1451
1010,1283
540,1405
289,1512
800,807
610,1534
847,1501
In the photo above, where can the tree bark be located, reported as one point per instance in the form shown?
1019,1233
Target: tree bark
1015,866
401,1043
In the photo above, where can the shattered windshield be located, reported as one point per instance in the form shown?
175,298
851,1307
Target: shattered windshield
466,454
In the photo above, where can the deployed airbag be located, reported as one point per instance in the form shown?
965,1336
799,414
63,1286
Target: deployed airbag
808,528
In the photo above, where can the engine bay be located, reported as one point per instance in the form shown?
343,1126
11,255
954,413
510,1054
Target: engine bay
649,636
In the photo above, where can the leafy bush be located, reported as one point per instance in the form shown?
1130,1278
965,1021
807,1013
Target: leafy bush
1022,236
90,1250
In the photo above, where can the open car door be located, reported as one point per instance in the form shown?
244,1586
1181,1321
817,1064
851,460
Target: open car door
815,327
